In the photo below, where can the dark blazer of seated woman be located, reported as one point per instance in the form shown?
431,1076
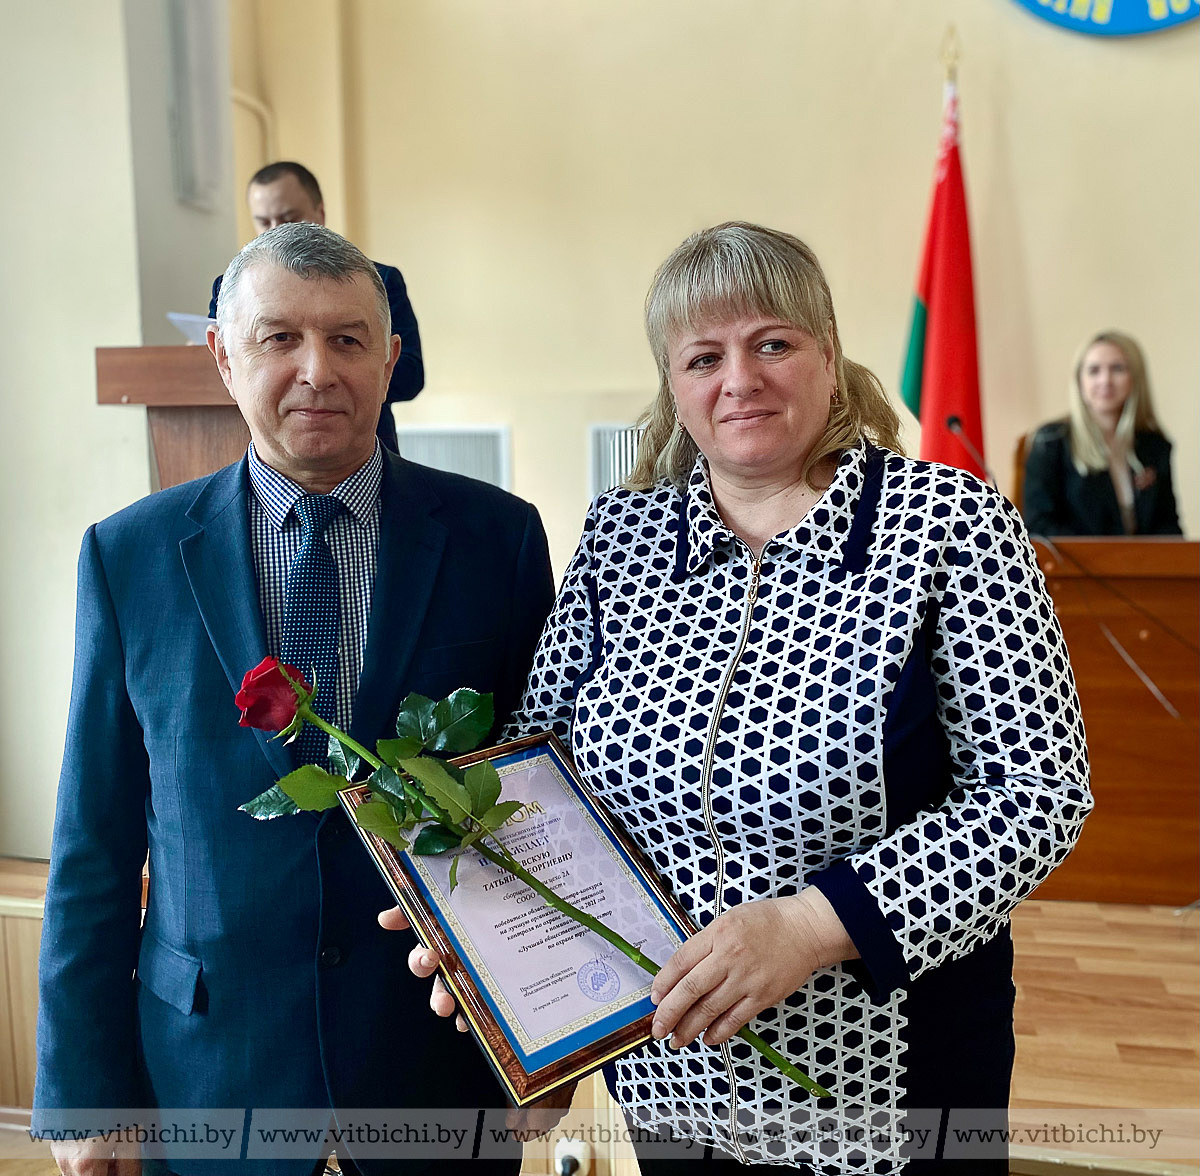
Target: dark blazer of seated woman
1059,500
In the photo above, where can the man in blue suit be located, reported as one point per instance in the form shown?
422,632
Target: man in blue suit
261,978
286,192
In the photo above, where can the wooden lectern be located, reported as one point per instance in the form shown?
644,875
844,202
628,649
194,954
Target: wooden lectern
1130,611
195,427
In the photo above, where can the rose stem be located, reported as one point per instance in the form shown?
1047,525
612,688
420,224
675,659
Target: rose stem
497,856
501,857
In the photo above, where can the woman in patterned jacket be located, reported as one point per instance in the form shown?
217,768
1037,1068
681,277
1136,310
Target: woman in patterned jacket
823,688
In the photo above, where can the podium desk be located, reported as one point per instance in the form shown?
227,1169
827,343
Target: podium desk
195,428
1142,842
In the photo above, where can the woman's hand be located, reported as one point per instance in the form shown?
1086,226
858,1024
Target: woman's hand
744,961
424,963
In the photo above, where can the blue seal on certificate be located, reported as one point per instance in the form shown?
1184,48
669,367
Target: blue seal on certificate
598,981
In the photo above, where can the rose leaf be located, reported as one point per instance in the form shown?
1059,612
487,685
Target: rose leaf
440,786
483,786
461,721
343,762
435,840
499,813
313,788
392,751
376,816
415,720
385,782
266,806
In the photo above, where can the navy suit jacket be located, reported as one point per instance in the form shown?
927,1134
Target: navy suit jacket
261,978
408,376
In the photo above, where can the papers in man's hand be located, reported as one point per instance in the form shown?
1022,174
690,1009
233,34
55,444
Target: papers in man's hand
193,327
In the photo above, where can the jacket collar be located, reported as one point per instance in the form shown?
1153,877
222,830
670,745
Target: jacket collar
220,569
411,543
824,532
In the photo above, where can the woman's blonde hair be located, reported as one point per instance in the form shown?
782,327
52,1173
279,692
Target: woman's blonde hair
1089,450
730,271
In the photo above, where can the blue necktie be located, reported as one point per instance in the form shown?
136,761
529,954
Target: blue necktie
310,619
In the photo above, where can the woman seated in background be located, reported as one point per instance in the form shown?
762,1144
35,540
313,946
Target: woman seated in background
823,688
1106,469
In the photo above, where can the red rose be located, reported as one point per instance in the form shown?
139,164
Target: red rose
267,699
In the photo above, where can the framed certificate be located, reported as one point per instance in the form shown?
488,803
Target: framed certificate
548,1000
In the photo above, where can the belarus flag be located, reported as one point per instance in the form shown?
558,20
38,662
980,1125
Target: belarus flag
941,371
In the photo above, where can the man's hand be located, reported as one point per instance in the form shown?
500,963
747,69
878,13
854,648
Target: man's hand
97,1157
541,1117
744,961
424,963
525,1123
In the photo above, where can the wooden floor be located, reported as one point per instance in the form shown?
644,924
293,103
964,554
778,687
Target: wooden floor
23,879
1108,1026
1108,1029
1106,1005
13,1144
1108,1021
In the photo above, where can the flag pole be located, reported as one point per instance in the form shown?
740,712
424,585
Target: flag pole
940,380
950,52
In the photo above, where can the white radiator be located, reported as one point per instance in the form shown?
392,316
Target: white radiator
612,450
479,451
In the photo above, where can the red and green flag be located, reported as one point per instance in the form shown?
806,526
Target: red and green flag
941,370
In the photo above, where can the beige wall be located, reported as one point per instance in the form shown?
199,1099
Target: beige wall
70,280
288,57
180,247
527,164
88,253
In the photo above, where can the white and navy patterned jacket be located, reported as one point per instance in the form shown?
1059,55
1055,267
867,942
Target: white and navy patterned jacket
880,706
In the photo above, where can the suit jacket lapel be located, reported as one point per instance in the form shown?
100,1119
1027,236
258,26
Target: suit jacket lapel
411,542
220,570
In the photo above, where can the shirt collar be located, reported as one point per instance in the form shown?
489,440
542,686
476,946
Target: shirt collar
359,493
822,532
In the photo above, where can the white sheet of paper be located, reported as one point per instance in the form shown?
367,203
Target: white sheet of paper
551,974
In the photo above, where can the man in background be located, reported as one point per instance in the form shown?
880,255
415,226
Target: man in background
261,978
286,193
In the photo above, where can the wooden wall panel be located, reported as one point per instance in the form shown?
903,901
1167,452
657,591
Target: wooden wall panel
22,890
1142,842
8,1061
22,938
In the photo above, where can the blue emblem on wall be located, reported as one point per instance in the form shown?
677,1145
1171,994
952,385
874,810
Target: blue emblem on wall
1114,18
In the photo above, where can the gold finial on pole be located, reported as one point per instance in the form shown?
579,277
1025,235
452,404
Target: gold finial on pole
951,52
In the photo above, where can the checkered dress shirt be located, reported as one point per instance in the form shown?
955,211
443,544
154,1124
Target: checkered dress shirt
353,538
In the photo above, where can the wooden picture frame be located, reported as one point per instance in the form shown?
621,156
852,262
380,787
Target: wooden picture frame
540,1027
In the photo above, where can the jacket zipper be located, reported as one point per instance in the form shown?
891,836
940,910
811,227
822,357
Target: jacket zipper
706,806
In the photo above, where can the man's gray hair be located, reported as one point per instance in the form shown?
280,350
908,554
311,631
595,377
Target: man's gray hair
308,250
